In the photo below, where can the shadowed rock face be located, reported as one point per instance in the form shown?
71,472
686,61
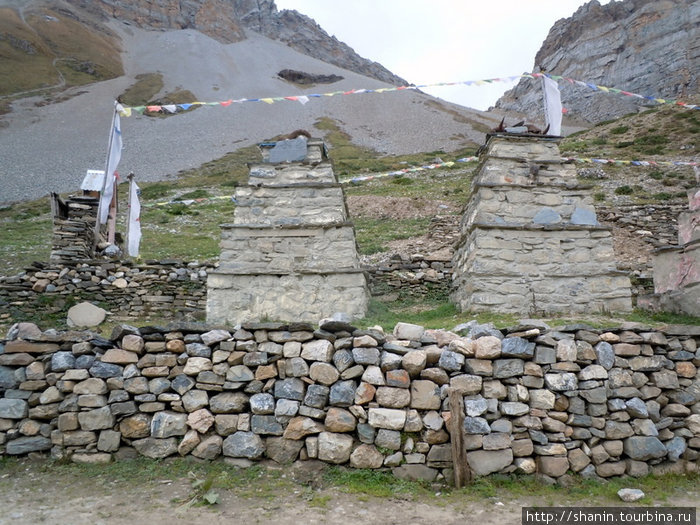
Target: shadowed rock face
643,46
228,20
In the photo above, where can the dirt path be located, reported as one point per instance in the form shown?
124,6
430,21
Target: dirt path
34,492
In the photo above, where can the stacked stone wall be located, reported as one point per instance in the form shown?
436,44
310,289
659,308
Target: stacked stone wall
601,403
74,230
175,290
161,289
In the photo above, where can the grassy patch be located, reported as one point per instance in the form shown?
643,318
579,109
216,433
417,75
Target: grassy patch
25,235
624,190
430,313
350,159
373,235
33,54
147,86
372,483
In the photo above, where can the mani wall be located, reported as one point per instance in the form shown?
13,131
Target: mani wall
532,399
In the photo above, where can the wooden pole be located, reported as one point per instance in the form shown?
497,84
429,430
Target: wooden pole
130,178
112,218
463,473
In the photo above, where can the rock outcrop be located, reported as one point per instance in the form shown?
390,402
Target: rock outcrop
228,20
304,35
648,47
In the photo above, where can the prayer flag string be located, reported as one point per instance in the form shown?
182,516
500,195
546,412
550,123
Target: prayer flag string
128,111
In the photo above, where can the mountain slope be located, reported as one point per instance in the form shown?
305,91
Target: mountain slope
48,147
651,47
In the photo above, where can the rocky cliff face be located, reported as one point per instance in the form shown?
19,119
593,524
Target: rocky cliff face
227,21
303,34
651,47
215,18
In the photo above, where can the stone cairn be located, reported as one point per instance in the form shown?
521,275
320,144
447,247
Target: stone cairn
530,241
677,268
73,228
290,252
529,399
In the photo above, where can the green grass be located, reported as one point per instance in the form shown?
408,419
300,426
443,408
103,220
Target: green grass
147,86
350,159
267,484
373,235
84,54
374,483
434,312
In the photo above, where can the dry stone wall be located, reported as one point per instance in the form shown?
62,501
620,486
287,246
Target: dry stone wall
163,289
600,403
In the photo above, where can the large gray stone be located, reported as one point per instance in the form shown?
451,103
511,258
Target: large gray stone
476,425
415,472
561,382
85,315
643,448
290,388
262,403
62,361
8,380
317,350
13,408
451,361
155,448
636,407
484,462
209,448
342,393
243,445
168,424
676,447
503,368
425,395
228,403
517,347
105,370
366,456
605,355
281,450
25,445
366,355
334,448
317,396
266,425
546,215
239,374
407,331
98,419
388,418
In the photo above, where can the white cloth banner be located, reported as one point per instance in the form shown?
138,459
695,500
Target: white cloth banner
552,105
134,220
115,155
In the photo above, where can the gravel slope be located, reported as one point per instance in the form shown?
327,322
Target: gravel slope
44,149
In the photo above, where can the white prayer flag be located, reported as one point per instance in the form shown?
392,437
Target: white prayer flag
134,220
552,105
115,155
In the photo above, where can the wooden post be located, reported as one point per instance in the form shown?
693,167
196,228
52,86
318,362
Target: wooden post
112,217
463,474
